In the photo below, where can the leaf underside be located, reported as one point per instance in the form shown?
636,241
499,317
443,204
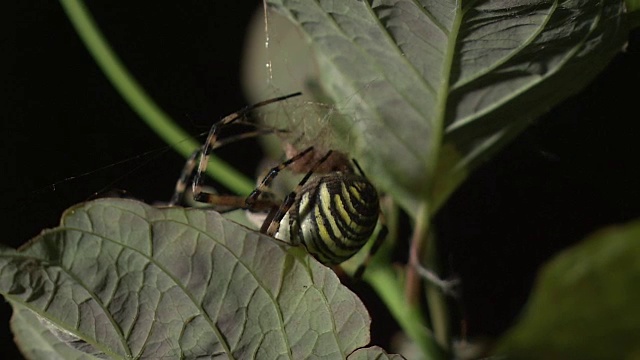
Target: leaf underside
412,75
121,279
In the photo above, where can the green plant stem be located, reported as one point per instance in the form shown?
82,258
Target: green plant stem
385,282
388,284
436,301
141,103
420,245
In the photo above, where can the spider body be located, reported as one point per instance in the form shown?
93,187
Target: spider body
333,216
332,212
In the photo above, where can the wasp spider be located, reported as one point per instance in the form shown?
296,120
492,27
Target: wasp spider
332,212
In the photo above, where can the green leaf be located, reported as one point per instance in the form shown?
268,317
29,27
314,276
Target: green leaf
37,340
633,9
373,353
121,279
585,303
412,75
633,6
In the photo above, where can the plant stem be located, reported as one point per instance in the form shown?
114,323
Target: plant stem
418,240
141,103
436,303
385,282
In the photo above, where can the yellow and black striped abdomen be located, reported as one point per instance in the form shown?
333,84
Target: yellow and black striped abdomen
333,216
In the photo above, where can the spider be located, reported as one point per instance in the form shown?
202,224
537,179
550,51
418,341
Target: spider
332,211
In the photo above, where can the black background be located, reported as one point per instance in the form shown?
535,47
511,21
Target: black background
572,172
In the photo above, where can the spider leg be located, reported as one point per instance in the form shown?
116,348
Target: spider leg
190,164
274,224
212,142
212,138
273,172
359,168
183,180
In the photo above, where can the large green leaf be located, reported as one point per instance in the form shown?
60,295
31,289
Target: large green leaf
39,340
412,75
586,302
122,279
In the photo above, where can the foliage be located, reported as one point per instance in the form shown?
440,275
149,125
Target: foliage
122,279
445,84
585,302
438,87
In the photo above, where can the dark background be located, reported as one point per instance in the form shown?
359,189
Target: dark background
574,171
